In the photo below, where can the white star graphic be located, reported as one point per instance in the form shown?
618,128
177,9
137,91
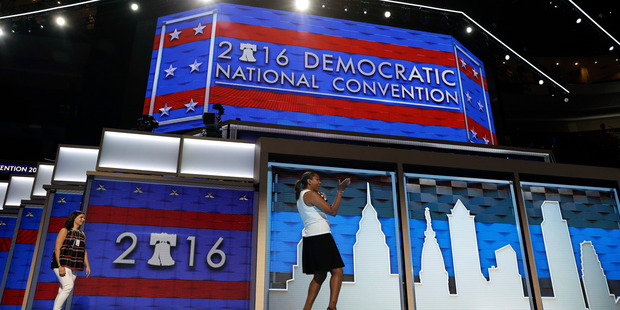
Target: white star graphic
138,190
244,198
191,105
2,223
165,110
480,106
463,63
474,134
199,29
62,200
486,141
209,195
468,96
195,66
174,35
174,193
101,187
29,214
475,73
170,71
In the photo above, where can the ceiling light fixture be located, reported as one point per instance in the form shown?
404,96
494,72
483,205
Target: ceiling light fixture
47,10
60,21
387,14
302,5
578,20
485,31
540,82
593,21
469,29
134,7
611,48
507,57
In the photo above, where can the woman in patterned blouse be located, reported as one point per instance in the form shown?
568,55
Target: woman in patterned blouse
69,256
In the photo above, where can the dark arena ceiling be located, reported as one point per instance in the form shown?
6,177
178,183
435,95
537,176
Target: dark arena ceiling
62,85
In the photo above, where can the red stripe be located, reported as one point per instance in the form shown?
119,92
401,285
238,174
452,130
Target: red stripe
55,224
162,288
169,218
316,105
481,131
335,107
176,100
46,291
186,36
333,43
14,296
469,72
311,40
27,236
5,244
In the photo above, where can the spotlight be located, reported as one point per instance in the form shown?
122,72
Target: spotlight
134,6
507,57
469,29
212,125
1,32
387,14
302,5
365,12
540,82
576,64
147,122
611,48
565,99
557,63
578,20
60,21
220,110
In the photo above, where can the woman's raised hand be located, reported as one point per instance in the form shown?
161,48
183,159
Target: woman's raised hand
342,185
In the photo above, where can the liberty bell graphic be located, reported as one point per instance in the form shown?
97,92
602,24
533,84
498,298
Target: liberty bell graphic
248,52
161,254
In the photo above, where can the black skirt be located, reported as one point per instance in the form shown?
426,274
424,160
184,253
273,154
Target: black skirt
320,253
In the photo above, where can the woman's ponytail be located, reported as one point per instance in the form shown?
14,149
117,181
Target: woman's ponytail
298,188
301,183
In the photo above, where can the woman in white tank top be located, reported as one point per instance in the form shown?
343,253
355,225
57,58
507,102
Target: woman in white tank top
319,251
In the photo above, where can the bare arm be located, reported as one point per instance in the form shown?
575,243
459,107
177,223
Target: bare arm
314,199
86,264
59,241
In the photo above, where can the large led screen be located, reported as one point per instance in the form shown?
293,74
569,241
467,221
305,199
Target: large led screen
163,246
19,263
575,234
465,244
365,231
293,69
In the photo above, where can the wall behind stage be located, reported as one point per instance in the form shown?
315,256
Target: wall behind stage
166,246
293,69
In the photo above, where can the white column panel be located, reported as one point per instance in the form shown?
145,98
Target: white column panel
19,189
217,158
43,177
139,152
3,188
73,163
